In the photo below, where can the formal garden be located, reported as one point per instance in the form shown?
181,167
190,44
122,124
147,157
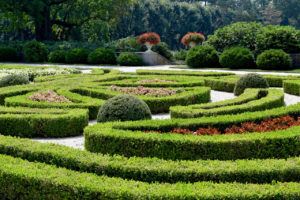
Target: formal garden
90,109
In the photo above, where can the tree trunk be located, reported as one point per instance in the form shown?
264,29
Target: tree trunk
43,26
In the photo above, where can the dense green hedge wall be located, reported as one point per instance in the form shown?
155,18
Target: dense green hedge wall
292,87
153,169
273,99
41,181
110,138
28,122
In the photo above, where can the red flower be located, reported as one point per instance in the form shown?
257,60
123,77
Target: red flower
152,38
198,38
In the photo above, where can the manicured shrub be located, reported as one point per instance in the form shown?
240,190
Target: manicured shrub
14,79
237,58
8,54
202,56
58,56
251,80
180,55
102,56
163,49
274,59
278,37
77,56
130,59
124,108
35,51
237,34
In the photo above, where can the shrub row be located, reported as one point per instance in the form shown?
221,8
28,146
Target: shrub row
129,139
292,87
152,169
156,104
49,182
270,99
186,73
78,101
28,122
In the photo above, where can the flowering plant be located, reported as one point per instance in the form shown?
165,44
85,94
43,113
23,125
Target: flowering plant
152,38
49,96
197,38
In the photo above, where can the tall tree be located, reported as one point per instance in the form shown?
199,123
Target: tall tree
63,13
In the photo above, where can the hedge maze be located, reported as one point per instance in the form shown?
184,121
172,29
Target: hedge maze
150,159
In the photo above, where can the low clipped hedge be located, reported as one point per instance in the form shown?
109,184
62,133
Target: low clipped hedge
128,138
156,104
226,85
273,99
49,182
28,122
181,72
78,102
292,87
130,59
153,169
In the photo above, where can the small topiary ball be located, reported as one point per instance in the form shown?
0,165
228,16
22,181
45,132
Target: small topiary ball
14,79
35,51
102,56
124,108
58,56
251,80
77,56
274,59
130,59
237,58
202,56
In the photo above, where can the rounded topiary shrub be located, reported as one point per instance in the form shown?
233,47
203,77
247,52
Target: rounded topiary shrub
274,59
124,108
14,79
102,56
58,56
251,80
202,56
8,54
130,59
77,56
237,58
35,51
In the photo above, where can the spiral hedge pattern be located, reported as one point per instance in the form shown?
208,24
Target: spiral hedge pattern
125,161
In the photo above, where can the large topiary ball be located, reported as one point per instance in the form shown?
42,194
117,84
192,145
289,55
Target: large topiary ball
8,54
58,56
14,79
251,80
202,56
102,56
35,51
77,56
237,58
124,108
274,59
130,59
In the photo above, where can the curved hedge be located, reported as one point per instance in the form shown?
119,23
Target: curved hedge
156,104
264,99
49,182
28,122
181,72
110,138
153,169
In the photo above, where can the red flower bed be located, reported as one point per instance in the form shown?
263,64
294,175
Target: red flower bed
197,38
49,96
274,124
152,38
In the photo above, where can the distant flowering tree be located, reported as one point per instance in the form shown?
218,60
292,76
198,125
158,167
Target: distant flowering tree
149,39
193,39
